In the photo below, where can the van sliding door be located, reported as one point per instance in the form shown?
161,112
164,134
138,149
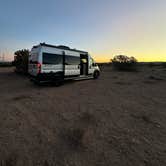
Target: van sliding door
84,64
72,65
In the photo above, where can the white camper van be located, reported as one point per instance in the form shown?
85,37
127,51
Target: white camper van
49,63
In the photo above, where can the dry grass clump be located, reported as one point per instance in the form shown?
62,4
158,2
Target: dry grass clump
74,137
79,135
155,78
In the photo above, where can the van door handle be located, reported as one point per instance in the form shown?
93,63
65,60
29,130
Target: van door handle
78,66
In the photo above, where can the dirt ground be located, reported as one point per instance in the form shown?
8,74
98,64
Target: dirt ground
119,120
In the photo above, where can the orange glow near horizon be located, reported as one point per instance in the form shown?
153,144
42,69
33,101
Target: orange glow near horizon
105,60
140,58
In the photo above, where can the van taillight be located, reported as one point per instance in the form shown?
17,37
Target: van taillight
38,68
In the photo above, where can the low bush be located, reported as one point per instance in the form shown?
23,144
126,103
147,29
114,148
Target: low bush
164,64
151,64
21,61
124,63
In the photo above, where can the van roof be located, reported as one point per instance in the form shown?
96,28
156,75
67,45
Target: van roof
60,47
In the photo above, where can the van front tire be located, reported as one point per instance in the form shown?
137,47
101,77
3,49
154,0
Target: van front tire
96,74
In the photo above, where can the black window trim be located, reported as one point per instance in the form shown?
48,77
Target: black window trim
52,54
75,57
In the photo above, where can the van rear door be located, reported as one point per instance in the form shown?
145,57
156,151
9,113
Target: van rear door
72,65
33,64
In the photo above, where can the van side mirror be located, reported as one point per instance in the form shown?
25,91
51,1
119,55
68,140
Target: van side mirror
93,64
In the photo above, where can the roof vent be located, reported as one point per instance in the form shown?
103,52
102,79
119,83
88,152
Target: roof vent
63,47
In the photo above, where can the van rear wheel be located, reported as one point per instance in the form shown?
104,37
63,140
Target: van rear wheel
96,75
58,82
37,82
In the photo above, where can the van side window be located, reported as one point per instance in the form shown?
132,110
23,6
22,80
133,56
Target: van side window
92,62
53,59
72,60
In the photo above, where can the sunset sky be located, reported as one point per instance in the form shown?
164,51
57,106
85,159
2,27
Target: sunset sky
104,28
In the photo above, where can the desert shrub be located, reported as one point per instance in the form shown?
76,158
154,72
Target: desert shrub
164,64
124,63
156,64
155,78
21,61
151,64
6,64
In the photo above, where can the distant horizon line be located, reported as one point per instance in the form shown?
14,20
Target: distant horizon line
103,62
138,62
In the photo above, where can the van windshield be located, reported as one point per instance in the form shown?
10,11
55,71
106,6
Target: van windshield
52,58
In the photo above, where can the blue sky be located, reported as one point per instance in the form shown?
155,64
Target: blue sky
102,27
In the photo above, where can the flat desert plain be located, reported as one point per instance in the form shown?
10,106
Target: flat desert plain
118,120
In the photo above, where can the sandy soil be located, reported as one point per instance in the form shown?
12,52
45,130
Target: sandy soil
119,119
